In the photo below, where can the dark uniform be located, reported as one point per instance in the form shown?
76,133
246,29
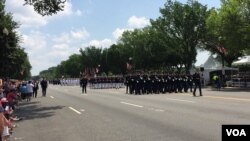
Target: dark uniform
197,82
190,82
83,83
127,83
44,85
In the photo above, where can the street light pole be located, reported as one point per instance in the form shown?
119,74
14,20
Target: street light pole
4,43
222,51
223,69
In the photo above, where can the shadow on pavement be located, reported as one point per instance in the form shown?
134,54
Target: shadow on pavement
32,110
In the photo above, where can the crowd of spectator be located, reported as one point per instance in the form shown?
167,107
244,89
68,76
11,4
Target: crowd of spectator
13,92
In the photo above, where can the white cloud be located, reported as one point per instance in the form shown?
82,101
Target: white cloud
25,14
34,42
80,34
27,17
59,54
64,37
61,47
138,22
78,12
133,22
36,45
45,51
102,44
119,31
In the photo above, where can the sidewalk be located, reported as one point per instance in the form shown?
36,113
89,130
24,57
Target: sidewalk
230,89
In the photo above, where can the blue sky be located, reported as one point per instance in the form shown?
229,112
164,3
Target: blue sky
50,40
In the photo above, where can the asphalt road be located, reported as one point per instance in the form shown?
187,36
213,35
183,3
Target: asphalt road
111,115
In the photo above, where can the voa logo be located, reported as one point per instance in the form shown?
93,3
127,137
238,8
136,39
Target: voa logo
236,132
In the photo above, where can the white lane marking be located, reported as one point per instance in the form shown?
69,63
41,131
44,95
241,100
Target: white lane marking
180,100
82,110
159,110
18,138
131,104
156,110
84,94
52,97
75,110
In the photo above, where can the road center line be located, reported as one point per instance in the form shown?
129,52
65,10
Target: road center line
18,138
131,104
75,110
156,110
180,100
52,97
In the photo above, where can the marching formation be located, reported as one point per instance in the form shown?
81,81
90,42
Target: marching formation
142,83
106,82
163,83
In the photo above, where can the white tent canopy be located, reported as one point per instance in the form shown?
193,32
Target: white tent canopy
243,61
212,65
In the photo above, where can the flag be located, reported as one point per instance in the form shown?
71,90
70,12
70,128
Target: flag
221,49
22,71
129,66
97,70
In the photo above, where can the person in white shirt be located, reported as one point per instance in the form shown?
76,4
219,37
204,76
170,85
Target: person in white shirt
29,90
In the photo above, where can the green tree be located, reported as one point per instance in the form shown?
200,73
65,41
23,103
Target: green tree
115,60
228,28
91,56
182,26
14,61
73,65
46,7
144,46
49,74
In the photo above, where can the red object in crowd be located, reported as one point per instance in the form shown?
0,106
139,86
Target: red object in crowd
11,96
221,49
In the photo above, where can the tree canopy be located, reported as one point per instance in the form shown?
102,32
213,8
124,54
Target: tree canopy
46,7
14,61
182,28
229,28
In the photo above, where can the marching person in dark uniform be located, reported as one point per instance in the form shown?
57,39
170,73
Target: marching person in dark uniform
149,85
161,84
154,85
185,83
144,84
137,85
190,82
35,88
178,83
44,85
174,81
83,83
197,82
166,83
169,83
131,85
127,83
